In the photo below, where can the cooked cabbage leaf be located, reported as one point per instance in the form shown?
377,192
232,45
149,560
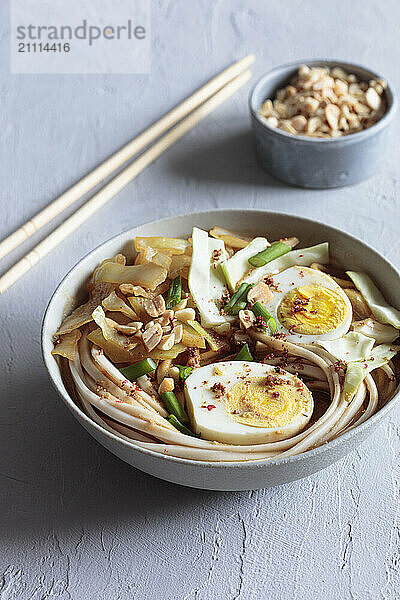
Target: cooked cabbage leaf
83,314
115,304
171,245
205,334
357,370
382,311
97,292
383,334
66,345
230,238
191,337
111,332
350,347
148,275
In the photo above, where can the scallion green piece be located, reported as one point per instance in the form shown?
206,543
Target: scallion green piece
234,310
265,256
180,426
172,405
272,325
259,310
184,372
138,369
239,296
244,353
174,292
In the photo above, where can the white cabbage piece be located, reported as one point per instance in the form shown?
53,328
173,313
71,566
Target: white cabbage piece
83,313
357,370
66,345
217,283
114,303
231,239
236,267
110,331
97,292
303,257
350,347
382,311
203,282
148,275
382,334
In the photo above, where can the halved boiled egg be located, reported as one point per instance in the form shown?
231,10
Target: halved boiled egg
244,402
308,305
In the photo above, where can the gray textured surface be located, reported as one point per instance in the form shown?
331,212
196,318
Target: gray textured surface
77,523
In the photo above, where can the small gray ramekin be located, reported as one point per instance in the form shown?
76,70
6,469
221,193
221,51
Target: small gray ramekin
318,162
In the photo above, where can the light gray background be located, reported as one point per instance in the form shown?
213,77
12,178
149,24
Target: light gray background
75,521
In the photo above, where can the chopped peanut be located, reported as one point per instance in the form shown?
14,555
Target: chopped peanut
163,369
165,318
178,333
246,318
186,314
155,307
167,341
174,373
323,102
167,385
181,304
151,337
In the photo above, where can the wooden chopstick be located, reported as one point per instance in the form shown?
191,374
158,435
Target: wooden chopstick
119,182
115,161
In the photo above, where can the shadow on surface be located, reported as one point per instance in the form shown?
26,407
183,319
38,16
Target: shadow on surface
230,159
54,476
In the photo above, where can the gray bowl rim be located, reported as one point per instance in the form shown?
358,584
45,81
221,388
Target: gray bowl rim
256,464
391,98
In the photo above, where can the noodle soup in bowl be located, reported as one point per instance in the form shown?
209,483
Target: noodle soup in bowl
230,421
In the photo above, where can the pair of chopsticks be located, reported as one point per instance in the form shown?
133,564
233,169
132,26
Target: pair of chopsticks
179,121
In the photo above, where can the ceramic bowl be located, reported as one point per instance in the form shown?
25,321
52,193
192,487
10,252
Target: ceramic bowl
318,162
205,475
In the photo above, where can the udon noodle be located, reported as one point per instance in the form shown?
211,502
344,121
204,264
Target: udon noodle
214,304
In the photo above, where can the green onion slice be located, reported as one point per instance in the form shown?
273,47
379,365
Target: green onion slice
265,256
174,292
172,405
272,325
259,310
184,372
234,310
132,372
239,296
244,353
178,425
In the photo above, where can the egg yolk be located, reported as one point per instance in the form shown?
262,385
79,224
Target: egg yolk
268,401
311,310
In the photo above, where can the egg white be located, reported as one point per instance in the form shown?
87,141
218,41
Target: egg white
216,424
295,277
